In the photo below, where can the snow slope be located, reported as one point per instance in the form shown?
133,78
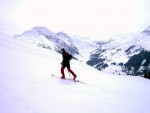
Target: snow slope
26,84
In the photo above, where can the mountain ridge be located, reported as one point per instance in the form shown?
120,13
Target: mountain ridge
46,38
43,37
118,56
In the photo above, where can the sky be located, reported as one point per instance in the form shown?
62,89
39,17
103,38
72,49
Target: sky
88,18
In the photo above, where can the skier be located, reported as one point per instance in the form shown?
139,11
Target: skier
66,63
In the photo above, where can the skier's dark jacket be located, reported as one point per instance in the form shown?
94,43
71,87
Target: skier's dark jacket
66,59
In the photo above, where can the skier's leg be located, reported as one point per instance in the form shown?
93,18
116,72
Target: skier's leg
74,75
62,72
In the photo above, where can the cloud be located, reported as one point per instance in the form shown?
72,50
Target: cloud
93,18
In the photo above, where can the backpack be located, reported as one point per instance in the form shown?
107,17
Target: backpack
70,56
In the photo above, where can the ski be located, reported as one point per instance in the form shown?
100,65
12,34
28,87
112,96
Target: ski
69,79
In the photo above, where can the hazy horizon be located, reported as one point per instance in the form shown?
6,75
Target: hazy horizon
96,19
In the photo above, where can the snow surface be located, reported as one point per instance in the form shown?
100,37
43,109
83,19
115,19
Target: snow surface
27,86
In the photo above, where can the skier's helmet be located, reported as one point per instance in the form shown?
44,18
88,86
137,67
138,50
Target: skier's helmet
63,50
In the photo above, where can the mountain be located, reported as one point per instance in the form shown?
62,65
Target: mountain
43,37
127,55
146,31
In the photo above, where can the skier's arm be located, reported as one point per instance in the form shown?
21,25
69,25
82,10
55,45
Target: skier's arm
63,58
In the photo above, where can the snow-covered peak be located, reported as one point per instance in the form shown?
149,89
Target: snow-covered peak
37,31
43,36
44,31
64,37
62,34
147,31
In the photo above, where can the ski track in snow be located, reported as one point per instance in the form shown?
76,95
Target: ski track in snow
26,85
